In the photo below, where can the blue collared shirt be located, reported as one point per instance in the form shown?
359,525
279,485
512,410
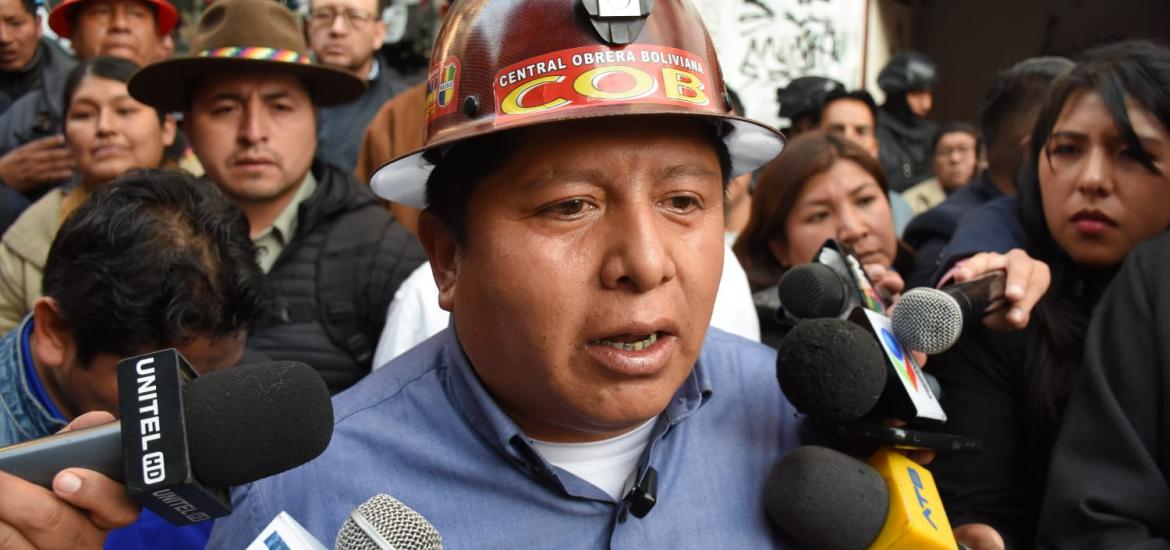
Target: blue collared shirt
425,431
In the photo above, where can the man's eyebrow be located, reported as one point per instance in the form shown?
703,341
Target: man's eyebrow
275,94
687,170
562,176
226,94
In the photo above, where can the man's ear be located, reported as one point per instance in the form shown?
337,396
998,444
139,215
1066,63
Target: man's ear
443,251
379,33
52,341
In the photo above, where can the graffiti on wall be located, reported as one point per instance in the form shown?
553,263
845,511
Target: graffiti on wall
816,42
763,44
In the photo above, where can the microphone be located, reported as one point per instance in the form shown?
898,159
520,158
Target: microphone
180,444
831,369
891,502
931,320
384,523
832,285
815,290
827,369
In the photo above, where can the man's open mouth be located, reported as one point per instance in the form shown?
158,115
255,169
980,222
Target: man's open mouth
633,343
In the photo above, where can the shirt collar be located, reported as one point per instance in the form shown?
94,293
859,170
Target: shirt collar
30,373
285,224
480,411
374,70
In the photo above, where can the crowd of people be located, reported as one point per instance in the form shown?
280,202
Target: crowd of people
541,280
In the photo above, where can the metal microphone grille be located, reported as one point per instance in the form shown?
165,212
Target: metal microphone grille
927,320
392,521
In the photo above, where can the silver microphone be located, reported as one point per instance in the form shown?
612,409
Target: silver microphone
384,523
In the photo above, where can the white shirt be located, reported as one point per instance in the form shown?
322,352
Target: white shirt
414,315
608,464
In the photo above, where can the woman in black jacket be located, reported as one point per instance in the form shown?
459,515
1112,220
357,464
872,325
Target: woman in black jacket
1098,186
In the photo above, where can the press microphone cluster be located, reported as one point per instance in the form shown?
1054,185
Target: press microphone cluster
832,370
183,439
924,319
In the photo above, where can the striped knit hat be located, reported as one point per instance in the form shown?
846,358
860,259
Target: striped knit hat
251,36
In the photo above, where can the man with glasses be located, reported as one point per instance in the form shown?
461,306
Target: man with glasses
955,158
345,35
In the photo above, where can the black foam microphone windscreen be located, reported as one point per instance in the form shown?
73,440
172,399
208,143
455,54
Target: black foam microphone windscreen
831,369
253,421
812,291
826,499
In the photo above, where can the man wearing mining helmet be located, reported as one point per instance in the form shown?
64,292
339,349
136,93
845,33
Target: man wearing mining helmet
572,184
574,223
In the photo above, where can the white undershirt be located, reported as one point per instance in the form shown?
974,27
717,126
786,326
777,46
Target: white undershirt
608,464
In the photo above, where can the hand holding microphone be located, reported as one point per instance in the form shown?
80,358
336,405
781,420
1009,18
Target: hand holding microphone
1025,282
76,513
998,289
178,446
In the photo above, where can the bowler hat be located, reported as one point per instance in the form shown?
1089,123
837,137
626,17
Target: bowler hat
242,36
61,20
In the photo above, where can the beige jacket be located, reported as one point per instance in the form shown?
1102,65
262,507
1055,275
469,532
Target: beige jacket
23,251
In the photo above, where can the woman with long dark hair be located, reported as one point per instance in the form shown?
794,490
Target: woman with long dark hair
1099,185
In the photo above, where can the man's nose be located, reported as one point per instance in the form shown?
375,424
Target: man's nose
637,255
253,127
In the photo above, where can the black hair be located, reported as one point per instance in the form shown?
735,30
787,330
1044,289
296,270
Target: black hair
734,102
30,6
840,93
460,168
1015,95
954,126
154,259
1134,70
104,66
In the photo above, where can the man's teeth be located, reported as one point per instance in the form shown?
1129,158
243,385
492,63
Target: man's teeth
631,346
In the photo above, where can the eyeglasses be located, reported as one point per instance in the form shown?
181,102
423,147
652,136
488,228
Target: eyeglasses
354,18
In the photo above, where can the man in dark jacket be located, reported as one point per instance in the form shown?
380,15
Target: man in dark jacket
345,34
1010,107
333,255
27,60
902,128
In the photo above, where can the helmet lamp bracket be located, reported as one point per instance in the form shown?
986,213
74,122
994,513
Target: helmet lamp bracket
618,21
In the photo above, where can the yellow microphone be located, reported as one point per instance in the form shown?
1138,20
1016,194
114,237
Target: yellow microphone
916,518
828,500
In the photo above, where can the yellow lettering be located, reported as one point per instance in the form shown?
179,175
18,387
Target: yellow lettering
678,83
513,103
